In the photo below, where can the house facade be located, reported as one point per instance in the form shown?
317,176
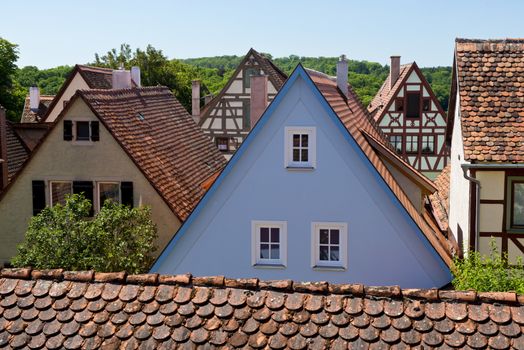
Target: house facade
136,146
408,112
487,155
309,196
227,117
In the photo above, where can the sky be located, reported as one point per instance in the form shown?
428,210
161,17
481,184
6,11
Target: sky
53,33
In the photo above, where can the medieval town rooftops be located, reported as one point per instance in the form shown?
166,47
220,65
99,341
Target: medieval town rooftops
72,310
29,116
489,79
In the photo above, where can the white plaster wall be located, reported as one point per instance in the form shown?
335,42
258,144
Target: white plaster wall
491,184
77,83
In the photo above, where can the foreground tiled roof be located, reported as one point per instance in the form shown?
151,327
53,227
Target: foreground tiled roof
386,93
72,310
359,123
440,199
162,139
490,76
17,153
29,116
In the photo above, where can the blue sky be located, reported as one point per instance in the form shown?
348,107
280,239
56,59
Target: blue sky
52,33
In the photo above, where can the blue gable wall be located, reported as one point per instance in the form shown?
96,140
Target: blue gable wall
384,246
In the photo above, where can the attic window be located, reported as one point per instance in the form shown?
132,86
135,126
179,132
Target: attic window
141,117
300,147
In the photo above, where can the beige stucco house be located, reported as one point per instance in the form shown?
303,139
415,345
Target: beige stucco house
138,146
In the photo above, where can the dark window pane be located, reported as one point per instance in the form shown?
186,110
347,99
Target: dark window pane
296,155
82,131
305,139
109,191
324,253
399,104
275,234
334,236
518,204
304,155
426,104
334,256
324,236
59,190
275,251
413,109
296,140
264,251
264,234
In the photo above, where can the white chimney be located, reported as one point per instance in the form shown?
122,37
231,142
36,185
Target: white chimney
121,79
135,75
195,100
258,98
394,70
342,75
34,98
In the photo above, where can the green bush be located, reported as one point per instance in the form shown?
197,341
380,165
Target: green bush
490,273
118,238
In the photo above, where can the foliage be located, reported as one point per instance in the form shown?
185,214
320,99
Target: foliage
118,238
490,273
48,80
10,91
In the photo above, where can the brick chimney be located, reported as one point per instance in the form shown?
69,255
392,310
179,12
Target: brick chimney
258,97
342,75
135,76
3,149
394,70
195,100
34,98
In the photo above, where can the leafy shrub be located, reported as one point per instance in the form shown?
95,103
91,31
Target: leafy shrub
118,238
490,273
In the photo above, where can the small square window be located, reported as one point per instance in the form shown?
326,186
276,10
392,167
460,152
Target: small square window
59,190
428,144
426,104
82,131
108,191
300,146
412,144
396,142
329,245
399,104
269,243
222,143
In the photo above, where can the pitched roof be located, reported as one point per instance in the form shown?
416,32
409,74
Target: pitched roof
440,199
96,77
386,93
72,310
29,116
17,152
161,138
489,76
359,124
275,76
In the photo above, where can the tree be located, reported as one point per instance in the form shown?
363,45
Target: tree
9,91
118,238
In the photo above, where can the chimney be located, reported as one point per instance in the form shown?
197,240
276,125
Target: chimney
121,79
258,97
34,98
3,149
195,100
342,75
394,70
135,75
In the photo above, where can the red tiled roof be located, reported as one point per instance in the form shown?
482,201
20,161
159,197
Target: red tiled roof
386,93
96,77
161,138
490,81
72,310
358,123
440,199
29,116
17,152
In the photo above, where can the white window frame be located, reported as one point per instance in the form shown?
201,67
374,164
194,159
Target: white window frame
51,182
255,244
97,196
316,263
311,131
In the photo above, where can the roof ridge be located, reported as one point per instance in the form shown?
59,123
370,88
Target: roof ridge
360,290
104,69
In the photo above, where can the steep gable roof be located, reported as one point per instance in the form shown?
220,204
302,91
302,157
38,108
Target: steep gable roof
386,92
488,75
275,76
72,310
28,116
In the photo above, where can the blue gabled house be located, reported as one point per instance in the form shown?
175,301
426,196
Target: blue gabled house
314,193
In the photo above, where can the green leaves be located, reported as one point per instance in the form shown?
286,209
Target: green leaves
118,238
490,273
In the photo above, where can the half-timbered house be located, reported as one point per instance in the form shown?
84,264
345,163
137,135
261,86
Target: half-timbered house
227,117
486,133
407,111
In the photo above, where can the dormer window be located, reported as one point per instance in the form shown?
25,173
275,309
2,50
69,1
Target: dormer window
300,144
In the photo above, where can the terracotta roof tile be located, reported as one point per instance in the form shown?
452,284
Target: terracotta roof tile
162,139
249,314
440,199
29,116
17,152
97,77
385,93
490,77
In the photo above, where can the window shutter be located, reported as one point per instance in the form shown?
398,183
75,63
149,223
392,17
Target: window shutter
38,196
68,130
126,190
95,131
85,187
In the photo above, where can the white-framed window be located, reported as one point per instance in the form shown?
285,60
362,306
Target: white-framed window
269,243
329,241
300,147
59,190
108,190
